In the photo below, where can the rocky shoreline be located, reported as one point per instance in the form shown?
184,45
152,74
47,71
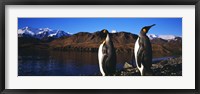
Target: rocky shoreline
169,67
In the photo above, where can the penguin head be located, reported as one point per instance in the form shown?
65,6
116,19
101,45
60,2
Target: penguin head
145,29
105,31
105,34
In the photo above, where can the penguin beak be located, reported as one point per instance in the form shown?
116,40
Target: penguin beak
152,25
148,27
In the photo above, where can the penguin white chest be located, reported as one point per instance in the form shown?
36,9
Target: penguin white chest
137,46
136,49
100,57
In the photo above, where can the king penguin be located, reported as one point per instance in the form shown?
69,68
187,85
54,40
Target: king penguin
143,52
107,56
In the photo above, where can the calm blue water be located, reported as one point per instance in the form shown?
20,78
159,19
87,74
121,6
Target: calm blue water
58,63
156,60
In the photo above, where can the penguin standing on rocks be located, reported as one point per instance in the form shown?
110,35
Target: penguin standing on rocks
107,56
143,52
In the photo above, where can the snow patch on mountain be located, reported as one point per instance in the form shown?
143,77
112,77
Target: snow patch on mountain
152,36
20,31
69,33
114,31
41,32
58,33
165,37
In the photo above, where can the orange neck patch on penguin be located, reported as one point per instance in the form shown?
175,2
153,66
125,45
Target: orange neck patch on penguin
144,30
104,31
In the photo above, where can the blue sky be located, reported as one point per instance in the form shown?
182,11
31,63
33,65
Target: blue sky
164,26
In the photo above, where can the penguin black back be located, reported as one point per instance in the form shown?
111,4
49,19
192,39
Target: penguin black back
144,51
109,59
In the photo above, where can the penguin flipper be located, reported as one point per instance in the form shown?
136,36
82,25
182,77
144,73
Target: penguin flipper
101,57
140,56
104,60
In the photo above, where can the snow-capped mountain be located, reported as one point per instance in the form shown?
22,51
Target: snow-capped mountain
27,31
41,33
114,31
152,36
164,37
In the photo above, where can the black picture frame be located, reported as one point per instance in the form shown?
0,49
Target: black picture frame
3,3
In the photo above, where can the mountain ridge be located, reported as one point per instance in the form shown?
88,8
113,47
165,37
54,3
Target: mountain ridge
84,41
41,33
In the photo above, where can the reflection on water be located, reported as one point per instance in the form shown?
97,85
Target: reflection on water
64,63
59,63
